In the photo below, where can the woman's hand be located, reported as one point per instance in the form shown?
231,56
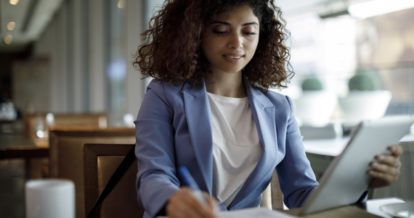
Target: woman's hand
184,204
385,168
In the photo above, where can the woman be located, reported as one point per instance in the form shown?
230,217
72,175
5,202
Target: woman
209,110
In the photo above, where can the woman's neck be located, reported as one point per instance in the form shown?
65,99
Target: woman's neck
229,85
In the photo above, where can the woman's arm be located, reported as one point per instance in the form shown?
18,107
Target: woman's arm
157,183
156,178
296,176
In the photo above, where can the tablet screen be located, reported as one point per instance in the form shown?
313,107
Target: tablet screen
346,178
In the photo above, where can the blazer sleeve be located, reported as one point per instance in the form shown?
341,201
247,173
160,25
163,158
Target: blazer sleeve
156,180
296,176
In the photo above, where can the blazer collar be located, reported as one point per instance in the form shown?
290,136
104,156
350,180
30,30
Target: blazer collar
197,110
198,120
263,111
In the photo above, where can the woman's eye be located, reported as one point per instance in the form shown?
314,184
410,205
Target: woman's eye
220,29
249,33
219,32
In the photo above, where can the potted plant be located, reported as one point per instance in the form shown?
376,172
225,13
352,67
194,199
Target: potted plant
364,81
312,83
315,106
366,100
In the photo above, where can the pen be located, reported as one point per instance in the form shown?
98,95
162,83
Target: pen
188,180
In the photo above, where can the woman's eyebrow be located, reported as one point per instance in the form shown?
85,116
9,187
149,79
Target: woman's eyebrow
219,22
251,23
226,23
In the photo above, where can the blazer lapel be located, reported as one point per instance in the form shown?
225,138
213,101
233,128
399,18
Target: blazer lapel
263,112
198,121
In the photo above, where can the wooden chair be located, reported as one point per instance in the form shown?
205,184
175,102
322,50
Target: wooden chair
272,197
44,122
47,121
67,153
100,161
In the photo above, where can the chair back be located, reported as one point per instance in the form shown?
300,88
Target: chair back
66,154
272,196
101,161
37,125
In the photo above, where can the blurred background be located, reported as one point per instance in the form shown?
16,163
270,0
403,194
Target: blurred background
75,56
353,60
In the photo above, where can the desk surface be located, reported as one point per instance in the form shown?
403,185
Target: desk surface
19,146
347,211
326,147
372,210
333,147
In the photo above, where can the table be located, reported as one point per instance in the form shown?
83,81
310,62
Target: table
327,147
18,146
374,206
346,211
321,152
372,209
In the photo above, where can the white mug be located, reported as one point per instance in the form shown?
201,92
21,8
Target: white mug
50,198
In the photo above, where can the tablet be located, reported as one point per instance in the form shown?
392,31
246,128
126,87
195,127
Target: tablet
346,178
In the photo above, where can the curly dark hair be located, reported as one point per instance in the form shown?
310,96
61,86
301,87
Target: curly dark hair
172,48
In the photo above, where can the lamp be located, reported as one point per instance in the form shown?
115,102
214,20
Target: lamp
373,8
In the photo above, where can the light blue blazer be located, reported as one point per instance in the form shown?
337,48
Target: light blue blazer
173,129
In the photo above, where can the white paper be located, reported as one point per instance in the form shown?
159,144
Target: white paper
253,213
50,198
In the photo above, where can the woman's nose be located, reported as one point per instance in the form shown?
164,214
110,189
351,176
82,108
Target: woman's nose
235,41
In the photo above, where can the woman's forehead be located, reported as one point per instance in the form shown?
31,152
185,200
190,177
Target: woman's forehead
230,10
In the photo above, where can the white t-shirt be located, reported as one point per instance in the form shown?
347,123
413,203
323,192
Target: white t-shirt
236,148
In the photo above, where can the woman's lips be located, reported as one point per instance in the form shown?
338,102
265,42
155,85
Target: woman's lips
233,57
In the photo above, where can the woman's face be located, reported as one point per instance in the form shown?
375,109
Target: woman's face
230,39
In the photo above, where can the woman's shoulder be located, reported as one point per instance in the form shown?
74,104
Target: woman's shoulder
274,95
282,102
158,85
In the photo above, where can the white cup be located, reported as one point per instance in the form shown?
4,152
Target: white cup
50,198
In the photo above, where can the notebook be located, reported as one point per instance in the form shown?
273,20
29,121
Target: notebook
346,178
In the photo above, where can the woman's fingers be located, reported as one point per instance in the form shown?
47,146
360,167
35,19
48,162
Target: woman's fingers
385,168
185,204
385,173
212,203
386,162
395,150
